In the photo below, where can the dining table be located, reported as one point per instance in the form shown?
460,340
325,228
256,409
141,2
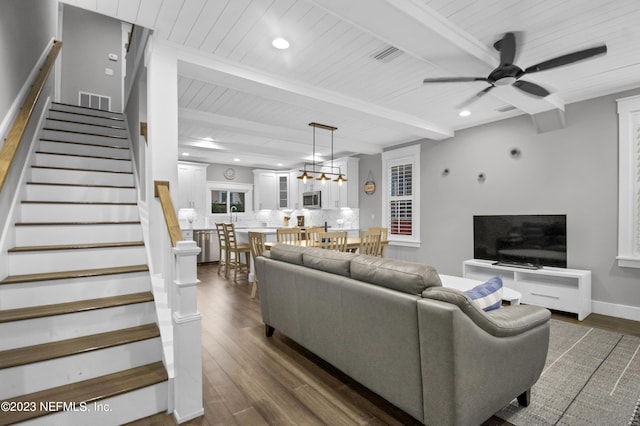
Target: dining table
353,243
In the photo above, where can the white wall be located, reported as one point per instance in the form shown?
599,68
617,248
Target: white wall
572,171
88,39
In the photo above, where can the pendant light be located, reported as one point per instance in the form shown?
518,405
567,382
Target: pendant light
323,177
306,176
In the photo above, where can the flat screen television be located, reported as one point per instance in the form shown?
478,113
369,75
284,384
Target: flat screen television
521,240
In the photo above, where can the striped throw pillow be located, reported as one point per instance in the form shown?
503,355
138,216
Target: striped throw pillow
487,296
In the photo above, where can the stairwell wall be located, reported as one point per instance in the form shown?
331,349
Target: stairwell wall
23,49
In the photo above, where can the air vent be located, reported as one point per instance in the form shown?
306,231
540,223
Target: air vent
91,100
506,108
387,54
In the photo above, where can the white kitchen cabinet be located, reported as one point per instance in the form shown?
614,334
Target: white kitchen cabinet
272,190
335,196
295,194
284,190
192,187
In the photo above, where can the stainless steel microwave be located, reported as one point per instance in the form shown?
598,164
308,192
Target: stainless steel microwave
312,200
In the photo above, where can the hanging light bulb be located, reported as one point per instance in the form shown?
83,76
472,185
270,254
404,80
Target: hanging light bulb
340,179
323,178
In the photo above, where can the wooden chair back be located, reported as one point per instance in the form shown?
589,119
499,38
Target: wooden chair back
336,240
230,234
256,244
384,238
222,238
370,242
312,235
289,235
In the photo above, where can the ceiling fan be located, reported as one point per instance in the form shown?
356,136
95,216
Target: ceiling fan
509,74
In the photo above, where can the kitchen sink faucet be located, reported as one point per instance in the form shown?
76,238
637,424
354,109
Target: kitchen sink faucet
233,209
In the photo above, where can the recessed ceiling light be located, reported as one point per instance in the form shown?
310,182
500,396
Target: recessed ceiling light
208,139
279,164
465,113
186,154
280,43
236,159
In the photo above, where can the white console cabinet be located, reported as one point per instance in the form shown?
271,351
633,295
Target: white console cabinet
567,290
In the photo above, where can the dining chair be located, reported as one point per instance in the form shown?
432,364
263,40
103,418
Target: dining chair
236,251
256,245
312,235
384,238
370,242
288,235
336,240
224,252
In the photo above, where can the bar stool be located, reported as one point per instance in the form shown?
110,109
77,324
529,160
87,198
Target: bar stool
256,245
224,252
237,250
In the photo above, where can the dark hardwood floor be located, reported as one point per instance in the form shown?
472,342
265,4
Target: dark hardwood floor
252,380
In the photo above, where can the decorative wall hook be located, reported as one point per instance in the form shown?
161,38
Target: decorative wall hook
481,178
445,172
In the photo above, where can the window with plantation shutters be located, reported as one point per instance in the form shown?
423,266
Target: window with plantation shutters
629,182
401,177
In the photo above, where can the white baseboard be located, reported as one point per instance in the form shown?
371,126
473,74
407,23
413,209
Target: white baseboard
615,310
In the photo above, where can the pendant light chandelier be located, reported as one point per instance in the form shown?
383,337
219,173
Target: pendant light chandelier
324,176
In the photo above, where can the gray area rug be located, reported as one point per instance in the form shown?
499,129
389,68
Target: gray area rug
591,377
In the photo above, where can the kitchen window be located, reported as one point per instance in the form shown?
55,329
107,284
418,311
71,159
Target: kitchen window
400,195
224,197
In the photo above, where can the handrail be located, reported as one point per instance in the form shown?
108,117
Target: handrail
161,191
11,143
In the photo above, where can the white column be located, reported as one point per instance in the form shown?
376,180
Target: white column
162,127
187,335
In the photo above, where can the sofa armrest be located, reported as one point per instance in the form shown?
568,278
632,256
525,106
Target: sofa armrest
504,322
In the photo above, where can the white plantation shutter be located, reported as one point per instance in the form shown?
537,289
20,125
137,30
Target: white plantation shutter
401,173
629,182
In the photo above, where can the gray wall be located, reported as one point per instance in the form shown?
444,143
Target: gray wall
370,205
243,174
88,39
26,27
572,171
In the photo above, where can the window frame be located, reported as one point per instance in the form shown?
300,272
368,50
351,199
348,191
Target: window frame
392,158
229,187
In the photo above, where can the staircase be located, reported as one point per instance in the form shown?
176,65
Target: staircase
79,340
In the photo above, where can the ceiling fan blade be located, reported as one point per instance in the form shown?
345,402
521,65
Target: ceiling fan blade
507,48
474,98
531,88
567,59
453,79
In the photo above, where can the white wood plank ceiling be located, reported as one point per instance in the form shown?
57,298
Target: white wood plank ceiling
260,114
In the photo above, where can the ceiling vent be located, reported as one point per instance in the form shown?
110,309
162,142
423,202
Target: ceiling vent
506,108
387,54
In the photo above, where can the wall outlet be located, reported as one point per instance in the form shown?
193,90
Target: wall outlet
108,71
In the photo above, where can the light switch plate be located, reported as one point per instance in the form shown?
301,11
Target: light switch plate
108,71
113,57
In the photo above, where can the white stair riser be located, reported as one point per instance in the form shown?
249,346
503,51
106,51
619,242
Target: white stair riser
73,162
92,129
33,235
39,174
83,149
41,212
17,334
70,260
84,117
58,135
35,293
80,193
25,379
88,111
116,410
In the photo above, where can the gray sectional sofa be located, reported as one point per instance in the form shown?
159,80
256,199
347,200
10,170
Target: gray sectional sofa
391,326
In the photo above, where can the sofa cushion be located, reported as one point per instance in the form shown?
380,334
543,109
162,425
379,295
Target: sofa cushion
331,261
509,321
408,277
488,295
288,253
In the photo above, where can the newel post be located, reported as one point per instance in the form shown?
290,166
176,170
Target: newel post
186,334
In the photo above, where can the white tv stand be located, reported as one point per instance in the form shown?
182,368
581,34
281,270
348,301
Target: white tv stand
561,289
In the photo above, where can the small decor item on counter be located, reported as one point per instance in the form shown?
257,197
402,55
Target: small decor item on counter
340,222
300,220
286,220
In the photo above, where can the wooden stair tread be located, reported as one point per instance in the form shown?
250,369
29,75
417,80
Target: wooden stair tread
66,154
40,311
76,246
79,202
110,222
84,133
83,185
78,345
88,391
87,109
81,273
60,120
85,144
76,169
53,109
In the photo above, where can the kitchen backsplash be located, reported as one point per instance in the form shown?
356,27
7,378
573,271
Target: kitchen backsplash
339,218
